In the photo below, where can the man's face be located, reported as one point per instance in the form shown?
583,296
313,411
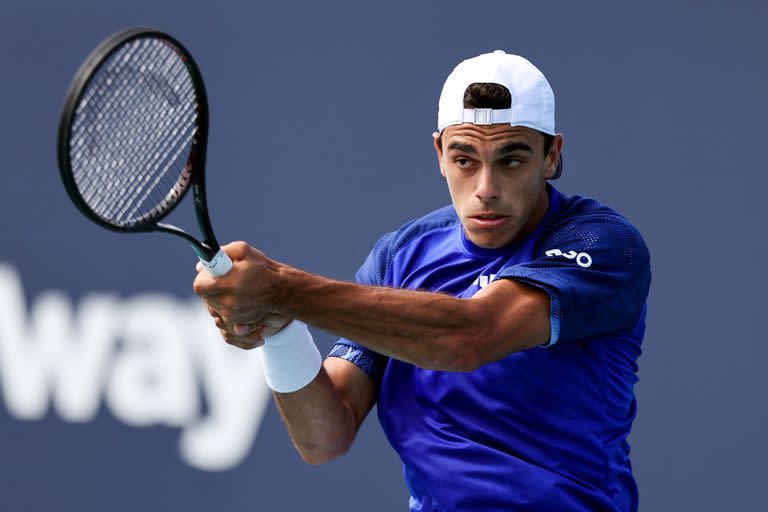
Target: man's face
497,179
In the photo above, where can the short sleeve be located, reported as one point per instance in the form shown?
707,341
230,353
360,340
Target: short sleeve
596,270
372,272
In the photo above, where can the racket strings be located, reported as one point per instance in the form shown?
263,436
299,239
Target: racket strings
133,132
119,209
119,183
96,93
141,110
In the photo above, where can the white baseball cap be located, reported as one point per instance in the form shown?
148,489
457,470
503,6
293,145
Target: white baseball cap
533,102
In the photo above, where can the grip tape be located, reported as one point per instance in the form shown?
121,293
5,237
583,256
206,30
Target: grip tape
219,265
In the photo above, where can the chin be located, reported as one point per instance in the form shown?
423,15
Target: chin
487,241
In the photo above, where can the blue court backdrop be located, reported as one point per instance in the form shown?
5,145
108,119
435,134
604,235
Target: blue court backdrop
115,391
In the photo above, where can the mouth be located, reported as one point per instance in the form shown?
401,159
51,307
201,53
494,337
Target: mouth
488,219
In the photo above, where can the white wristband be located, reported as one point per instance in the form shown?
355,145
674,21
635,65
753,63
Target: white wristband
290,358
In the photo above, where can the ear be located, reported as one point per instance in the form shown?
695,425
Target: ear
550,161
439,150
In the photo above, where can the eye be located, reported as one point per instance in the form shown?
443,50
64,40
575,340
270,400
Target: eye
512,161
463,162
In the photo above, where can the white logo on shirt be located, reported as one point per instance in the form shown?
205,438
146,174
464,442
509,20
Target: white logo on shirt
582,259
482,281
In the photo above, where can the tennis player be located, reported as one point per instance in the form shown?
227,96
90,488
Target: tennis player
499,336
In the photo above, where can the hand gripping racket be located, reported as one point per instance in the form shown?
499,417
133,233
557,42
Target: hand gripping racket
132,138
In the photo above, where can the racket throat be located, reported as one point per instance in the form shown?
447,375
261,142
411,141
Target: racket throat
203,250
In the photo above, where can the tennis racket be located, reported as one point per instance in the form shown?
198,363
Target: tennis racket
132,139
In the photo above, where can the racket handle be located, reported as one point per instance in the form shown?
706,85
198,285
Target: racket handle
219,265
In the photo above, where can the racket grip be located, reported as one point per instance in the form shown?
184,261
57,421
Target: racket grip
219,265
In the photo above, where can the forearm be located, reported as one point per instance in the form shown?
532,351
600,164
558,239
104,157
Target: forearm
321,425
430,330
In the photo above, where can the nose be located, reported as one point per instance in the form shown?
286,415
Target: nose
487,187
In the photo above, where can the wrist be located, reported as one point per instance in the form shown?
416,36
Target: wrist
290,359
281,291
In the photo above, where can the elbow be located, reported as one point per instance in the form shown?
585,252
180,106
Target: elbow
317,457
325,450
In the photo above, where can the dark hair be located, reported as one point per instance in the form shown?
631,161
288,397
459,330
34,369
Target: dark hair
485,95
490,95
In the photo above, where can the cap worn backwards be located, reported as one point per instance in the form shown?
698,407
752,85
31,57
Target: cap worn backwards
533,102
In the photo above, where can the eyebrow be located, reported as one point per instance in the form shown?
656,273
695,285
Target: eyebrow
514,146
505,149
464,148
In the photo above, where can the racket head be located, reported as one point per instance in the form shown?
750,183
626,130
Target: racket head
133,131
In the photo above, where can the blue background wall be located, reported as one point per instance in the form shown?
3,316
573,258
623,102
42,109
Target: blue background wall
320,141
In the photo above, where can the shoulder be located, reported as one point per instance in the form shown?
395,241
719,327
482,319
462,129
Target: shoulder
443,218
584,224
390,243
595,266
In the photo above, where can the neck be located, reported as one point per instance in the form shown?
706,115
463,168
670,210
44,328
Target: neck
538,214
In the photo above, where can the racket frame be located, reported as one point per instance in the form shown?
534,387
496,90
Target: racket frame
208,247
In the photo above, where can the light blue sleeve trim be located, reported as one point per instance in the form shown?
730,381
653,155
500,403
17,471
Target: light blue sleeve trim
555,314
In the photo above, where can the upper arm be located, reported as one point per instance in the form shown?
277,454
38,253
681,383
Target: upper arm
356,389
515,317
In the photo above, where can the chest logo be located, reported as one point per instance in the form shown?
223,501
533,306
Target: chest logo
582,259
483,280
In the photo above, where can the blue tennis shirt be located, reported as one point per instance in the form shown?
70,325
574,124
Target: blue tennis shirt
540,430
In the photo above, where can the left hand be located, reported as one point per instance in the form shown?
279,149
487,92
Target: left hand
246,296
249,336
